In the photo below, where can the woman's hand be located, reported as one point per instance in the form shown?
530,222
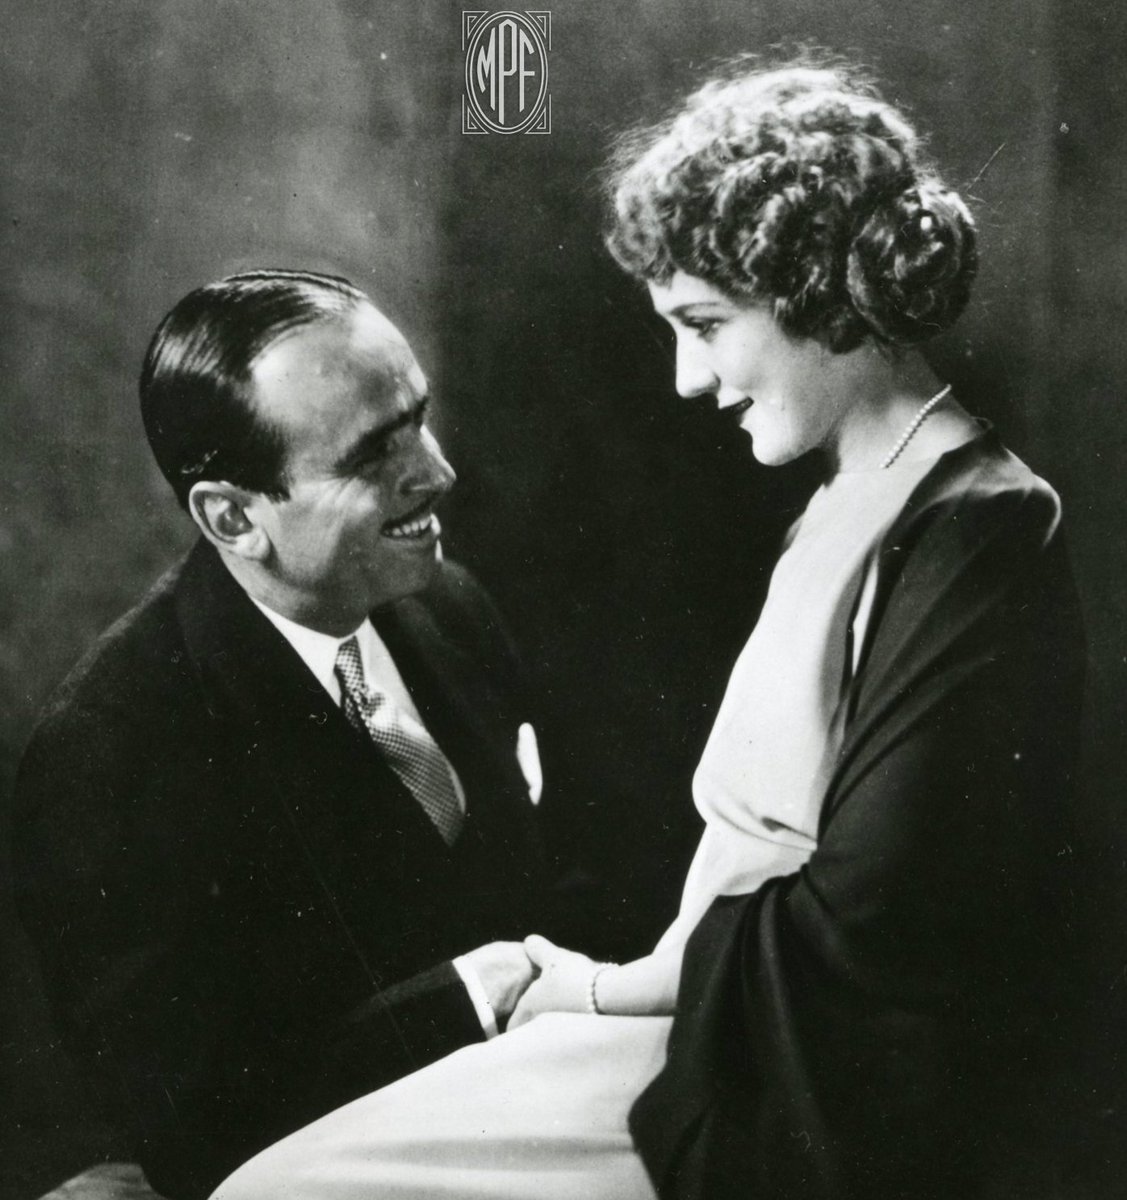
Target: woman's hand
503,969
646,987
563,985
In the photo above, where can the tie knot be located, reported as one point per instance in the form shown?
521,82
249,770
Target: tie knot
350,671
348,661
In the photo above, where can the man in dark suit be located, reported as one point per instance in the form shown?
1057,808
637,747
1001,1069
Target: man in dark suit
273,803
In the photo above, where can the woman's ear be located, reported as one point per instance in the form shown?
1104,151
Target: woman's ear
223,513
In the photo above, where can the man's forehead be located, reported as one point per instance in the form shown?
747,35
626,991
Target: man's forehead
328,384
362,340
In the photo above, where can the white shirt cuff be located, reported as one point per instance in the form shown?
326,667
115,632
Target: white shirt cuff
478,997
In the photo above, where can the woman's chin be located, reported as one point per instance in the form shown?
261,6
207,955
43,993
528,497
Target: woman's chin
772,454
771,440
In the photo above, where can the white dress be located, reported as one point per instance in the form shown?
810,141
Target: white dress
541,1113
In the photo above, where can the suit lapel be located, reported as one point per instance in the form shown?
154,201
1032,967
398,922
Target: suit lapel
252,677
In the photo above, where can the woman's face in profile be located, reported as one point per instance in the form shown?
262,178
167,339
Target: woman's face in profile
780,388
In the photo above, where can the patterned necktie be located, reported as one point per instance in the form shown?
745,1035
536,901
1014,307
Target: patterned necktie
410,751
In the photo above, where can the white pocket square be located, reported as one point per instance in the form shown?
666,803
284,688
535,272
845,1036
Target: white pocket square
528,759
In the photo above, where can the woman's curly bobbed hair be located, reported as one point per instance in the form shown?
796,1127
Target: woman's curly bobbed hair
800,187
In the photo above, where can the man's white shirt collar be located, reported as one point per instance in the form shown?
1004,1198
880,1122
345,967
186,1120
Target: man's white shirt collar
319,653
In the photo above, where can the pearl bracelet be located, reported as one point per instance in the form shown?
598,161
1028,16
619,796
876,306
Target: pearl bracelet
592,999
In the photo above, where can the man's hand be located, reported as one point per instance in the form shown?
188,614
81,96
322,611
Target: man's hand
564,983
505,971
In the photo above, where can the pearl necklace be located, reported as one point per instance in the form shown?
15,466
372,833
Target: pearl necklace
913,426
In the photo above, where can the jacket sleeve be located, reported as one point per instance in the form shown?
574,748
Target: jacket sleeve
856,1029
204,1052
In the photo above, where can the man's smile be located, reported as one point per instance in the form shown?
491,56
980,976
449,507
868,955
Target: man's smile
420,522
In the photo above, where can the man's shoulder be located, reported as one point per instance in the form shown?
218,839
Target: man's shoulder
129,668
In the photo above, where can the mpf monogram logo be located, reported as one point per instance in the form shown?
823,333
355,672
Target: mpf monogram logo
506,72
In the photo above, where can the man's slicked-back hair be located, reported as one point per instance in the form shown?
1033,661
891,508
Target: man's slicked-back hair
196,403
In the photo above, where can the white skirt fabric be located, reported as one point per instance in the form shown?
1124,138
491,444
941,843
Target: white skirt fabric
536,1114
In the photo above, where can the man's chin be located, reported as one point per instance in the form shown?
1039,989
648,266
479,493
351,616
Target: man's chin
406,582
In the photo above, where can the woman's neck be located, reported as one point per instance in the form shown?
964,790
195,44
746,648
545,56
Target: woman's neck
887,398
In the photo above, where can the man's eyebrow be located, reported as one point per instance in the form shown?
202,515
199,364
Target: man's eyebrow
372,443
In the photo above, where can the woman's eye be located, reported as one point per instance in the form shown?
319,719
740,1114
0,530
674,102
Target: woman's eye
704,328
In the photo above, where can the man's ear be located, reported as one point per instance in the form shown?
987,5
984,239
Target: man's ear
224,514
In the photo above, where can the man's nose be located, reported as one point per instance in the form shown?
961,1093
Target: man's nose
694,376
428,470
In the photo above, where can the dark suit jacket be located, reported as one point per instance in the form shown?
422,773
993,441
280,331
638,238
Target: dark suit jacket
881,1024
244,918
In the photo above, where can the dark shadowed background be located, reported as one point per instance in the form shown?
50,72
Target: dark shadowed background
152,145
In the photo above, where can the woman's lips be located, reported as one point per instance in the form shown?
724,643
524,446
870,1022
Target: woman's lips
734,411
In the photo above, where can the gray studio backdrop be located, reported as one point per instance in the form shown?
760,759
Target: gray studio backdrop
150,145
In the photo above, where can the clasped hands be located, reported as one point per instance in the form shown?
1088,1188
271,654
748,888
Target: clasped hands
524,979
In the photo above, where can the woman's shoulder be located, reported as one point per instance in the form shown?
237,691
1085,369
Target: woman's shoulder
981,489
980,533
974,571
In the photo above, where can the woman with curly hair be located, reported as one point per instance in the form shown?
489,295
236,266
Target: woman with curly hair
859,994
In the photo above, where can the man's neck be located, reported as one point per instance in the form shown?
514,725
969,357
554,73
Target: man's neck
266,590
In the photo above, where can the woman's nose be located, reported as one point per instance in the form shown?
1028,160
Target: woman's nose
694,376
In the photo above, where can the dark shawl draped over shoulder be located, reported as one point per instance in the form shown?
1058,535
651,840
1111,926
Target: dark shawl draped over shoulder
882,1023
